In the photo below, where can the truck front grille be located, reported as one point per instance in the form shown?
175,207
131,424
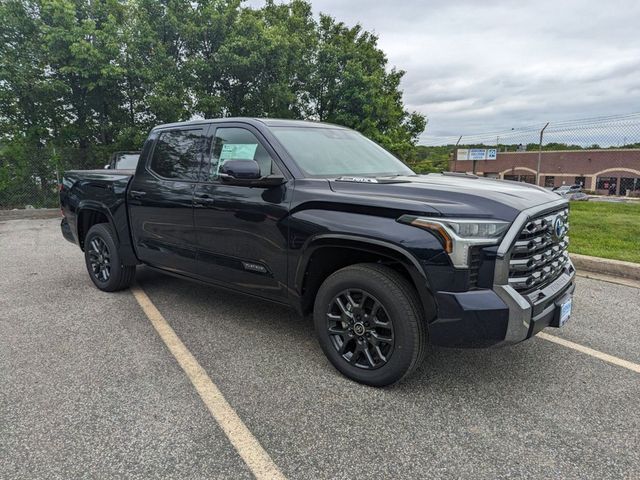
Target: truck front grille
539,255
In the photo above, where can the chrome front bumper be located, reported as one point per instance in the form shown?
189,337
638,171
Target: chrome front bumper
528,317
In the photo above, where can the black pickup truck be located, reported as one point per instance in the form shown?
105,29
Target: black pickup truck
319,218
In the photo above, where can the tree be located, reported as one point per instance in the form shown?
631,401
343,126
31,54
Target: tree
350,86
80,40
209,29
161,36
265,62
80,79
28,106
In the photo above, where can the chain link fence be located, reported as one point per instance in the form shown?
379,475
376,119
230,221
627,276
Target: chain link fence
601,155
30,174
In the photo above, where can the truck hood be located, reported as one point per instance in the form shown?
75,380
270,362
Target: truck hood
453,195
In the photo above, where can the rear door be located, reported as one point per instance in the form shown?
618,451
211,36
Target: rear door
161,198
241,230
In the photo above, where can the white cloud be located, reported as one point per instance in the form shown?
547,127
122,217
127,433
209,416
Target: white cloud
484,66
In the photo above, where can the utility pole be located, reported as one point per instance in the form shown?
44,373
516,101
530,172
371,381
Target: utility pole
455,154
540,154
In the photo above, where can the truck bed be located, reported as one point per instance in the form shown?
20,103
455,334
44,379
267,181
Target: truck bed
88,183
99,192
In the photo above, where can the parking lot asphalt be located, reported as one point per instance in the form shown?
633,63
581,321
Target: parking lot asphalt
88,389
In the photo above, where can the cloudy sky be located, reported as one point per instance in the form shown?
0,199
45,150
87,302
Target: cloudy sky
488,65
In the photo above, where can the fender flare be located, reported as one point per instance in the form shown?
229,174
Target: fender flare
98,207
372,245
126,250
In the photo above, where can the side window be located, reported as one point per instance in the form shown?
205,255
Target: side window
177,154
239,144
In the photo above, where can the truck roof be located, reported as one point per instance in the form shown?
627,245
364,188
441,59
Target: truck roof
257,122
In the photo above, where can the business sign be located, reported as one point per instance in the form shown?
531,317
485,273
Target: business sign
477,154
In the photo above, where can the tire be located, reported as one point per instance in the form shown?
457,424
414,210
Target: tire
103,261
384,306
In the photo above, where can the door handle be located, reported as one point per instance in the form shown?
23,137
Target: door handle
137,194
204,200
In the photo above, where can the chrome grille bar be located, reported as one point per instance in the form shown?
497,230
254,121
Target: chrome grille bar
539,256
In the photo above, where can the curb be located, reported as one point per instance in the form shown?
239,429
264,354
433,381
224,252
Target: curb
31,213
606,266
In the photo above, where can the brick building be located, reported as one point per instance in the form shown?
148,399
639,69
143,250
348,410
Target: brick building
604,171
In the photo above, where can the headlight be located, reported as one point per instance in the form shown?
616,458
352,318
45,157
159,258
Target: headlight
458,235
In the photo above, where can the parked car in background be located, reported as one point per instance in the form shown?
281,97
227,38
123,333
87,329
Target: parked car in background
566,190
123,161
578,196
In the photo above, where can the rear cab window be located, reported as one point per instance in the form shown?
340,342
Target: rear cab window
127,161
177,154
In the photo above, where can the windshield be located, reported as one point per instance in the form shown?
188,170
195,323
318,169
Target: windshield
127,161
334,152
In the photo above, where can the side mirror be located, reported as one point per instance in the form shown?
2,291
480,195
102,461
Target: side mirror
240,169
247,173
107,166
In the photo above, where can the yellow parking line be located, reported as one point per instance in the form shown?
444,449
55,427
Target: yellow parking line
256,458
634,367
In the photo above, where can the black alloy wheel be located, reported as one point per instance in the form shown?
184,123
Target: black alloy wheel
370,323
103,260
360,329
99,259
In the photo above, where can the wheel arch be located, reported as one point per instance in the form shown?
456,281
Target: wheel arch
90,214
324,254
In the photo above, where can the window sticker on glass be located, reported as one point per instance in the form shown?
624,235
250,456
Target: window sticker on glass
238,151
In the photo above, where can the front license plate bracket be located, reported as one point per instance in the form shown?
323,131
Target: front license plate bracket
562,311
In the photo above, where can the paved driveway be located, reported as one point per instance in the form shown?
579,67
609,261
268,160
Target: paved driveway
89,389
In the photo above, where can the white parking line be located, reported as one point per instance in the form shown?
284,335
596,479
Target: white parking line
634,367
256,458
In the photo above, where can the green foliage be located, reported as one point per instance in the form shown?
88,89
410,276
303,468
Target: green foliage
80,79
430,159
351,86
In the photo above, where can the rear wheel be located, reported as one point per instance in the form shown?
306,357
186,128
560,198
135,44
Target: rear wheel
370,325
103,260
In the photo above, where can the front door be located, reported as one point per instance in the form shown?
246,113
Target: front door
241,231
161,199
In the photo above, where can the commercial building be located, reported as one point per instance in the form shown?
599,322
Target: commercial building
607,172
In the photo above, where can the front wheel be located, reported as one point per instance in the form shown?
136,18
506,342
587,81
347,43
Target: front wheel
103,260
369,323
